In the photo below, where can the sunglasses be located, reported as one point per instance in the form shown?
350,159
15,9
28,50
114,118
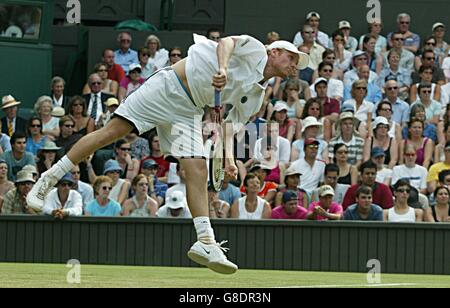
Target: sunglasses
430,43
126,149
65,184
145,55
404,22
392,88
36,126
99,71
399,39
327,71
313,147
431,59
96,83
426,92
402,191
178,55
410,154
69,126
361,88
107,188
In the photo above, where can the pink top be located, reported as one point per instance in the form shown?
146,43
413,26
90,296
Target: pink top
279,213
130,87
335,208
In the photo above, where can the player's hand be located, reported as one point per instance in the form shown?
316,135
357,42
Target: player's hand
231,170
220,80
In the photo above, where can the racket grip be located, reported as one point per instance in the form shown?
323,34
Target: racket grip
217,99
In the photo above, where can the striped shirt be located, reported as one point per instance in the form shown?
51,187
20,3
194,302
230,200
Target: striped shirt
355,149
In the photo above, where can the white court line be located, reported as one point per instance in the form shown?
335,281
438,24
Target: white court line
353,286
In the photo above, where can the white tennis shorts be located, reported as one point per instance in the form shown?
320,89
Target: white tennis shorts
162,102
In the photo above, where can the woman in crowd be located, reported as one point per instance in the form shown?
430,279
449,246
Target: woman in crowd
441,211
384,109
131,82
424,146
141,205
251,207
287,126
129,165
77,108
375,28
175,55
35,138
50,125
292,183
382,139
369,43
103,205
363,109
109,86
144,56
430,131
314,108
158,56
348,174
426,77
47,156
402,212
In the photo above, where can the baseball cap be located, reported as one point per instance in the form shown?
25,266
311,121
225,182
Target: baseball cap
326,190
258,166
347,107
312,14
359,53
176,200
303,59
112,102
344,24
437,25
377,152
67,178
292,171
135,66
378,121
280,106
290,196
311,141
320,80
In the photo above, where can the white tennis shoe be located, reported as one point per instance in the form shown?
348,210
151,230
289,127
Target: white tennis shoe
213,257
36,197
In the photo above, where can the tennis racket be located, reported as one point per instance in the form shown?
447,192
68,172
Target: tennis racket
217,161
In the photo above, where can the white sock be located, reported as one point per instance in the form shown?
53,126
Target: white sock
62,167
205,233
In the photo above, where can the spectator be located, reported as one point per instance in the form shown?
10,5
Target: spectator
407,58
375,28
63,201
311,130
348,173
282,145
214,34
141,205
383,141
158,157
102,205
315,50
67,138
359,59
77,108
229,193
158,56
287,127
331,106
432,107
426,73
441,47
375,61
307,73
14,201
384,175
292,183
175,55
402,212
400,108
346,133
57,86
290,208
47,156
120,187
181,173
85,190
291,96
331,179
437,168
418,112
415,174
129,165
326,208
125,56
441,211
111,106
429,44
156,189
423,145
251,207
312,170
11,123
267,190
139,146
343,56
329,57
5,141
5,184
31,169
109,86
115,71
131,82
428,60
269,160
217,208
359,92
96,100
44,109
373,92
176,207
314,108
412,40
313,20
36,139
17,158
381,193
394,72
384,109
144,56
364,209
351,44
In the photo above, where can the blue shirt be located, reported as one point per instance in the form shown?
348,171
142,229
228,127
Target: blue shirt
400,111
160,188
402,76
126,59
430,131
112,209
374,94
376,213
34,147
5,142
14,166
230,194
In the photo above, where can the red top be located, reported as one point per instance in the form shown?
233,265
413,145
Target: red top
268,187
382,196
116,73
331,106
164,165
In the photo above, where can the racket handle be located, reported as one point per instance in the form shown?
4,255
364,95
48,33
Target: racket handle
217,99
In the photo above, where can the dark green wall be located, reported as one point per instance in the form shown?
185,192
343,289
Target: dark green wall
296,246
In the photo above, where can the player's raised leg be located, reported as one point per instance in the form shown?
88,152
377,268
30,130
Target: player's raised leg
117,128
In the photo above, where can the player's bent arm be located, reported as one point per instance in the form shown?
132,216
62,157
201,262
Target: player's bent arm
224,52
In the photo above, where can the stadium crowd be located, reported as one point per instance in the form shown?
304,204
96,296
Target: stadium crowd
363,133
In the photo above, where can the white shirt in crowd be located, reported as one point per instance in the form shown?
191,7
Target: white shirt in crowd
283,152
311,176
335,89
322,39
417,176
73,206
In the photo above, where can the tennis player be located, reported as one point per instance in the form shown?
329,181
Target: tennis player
172,100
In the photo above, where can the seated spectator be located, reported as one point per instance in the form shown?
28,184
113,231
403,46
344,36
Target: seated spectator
313,21
384,109
14,202
291,96
68,137
436,169
315,49
291,183
373,91
441,211
267,190
129,165
430,131
115,71
307,73
426,78
348,173
312,170
158,55
402,212
394,72
96,100
281,145
382,140
311,130
33,170
343,56
175,56
109,86
359,59
218,209
351,43
180,186
325,208
441,48
144,56
346,133
363,108
11,123
397,42
44,109
251,207
36,138
424,146
229,192
111,106
331,106
176,207
131,82
290,208
411,40
141,205
415,174
400,109
381,193
335,88
314,108
287,126
85,190
57,92
102,205
63,201
139,146
375,28
77,108
156,189
5,184
17,158
125,56
432,107
158,157
270,160
429,60
47,156
369,43
364,209
331,179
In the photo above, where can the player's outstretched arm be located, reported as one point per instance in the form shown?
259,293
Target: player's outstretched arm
224,52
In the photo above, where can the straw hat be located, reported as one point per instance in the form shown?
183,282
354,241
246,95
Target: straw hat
9,101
